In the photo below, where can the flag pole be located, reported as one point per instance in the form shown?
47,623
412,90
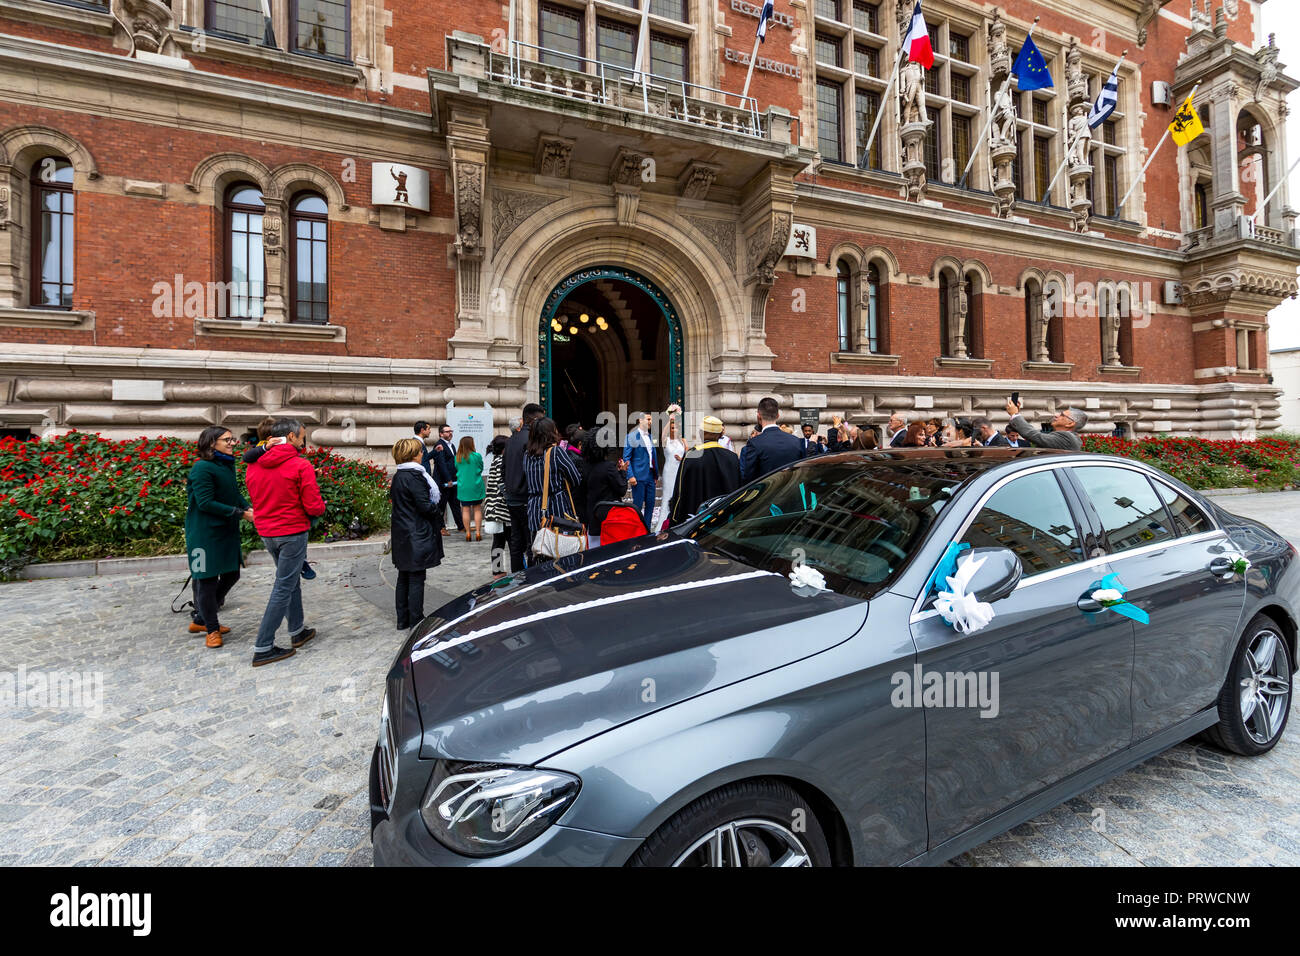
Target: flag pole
883,101
640,51
1151,159
1281,182
1067,127
979,143
749,75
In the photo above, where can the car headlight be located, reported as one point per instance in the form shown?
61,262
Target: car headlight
484,809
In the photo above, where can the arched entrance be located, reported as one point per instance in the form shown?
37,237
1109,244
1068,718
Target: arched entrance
608,337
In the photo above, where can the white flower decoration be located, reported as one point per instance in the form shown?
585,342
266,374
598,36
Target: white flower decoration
1107,596
806,576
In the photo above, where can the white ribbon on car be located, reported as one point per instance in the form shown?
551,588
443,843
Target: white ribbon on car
806,576
965,612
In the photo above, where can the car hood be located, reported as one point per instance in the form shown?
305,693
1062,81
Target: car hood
532,664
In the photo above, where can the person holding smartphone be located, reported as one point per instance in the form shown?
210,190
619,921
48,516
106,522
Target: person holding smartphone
1066,426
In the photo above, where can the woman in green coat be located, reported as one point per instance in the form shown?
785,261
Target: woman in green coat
212,513
469,486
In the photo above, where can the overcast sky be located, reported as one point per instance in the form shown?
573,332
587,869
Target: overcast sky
1283,18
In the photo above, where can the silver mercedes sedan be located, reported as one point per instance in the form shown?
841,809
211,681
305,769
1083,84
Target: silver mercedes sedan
876,658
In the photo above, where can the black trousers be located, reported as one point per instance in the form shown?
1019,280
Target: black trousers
209,595
449,498
410,598
519,543
500,547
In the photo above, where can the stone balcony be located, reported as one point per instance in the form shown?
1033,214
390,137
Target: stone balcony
532,91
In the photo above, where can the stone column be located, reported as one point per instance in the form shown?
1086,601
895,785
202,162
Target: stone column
468,147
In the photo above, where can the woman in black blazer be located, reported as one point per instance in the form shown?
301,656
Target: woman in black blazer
416,527
606,481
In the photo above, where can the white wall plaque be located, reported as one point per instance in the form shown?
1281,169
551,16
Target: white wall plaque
808,400
803,241
137,390
1092,403
384,435
392,184
923,401
1160,405
392,395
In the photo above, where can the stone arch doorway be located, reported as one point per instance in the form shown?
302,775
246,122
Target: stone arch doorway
608,337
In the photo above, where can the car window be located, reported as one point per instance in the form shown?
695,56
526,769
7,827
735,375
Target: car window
1031,517
858,523
1188,518
1131,513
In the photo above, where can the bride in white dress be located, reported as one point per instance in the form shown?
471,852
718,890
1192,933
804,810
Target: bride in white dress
674,450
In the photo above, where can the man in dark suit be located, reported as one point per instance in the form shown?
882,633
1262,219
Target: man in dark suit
444,473
988,435
771,448
422,431
516,485
811,443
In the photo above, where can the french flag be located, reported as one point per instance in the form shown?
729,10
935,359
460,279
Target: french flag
764,17
917,41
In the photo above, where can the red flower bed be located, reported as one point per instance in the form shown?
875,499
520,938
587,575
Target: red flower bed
83,496
1204,463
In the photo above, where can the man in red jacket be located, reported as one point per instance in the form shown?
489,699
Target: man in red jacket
282,485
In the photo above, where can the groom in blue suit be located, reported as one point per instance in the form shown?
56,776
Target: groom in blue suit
639,453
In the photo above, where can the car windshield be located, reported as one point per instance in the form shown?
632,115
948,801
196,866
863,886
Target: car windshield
858,521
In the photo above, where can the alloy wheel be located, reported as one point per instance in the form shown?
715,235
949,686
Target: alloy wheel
1265,692
747,843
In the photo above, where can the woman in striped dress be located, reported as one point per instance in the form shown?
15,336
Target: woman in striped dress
543,438
494,506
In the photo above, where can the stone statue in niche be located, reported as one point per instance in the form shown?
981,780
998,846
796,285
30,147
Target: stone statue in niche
1004,119
1080,139
914,94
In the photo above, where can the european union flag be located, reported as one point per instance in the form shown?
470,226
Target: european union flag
1030,69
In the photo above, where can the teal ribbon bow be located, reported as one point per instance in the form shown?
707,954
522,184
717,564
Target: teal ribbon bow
1130,611
946,567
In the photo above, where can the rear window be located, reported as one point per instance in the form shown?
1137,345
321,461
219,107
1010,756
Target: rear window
857,522
1188,518
1131,513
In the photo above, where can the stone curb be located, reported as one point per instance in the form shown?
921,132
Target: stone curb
176,562
1231,492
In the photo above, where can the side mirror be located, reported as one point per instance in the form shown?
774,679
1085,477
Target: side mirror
997,577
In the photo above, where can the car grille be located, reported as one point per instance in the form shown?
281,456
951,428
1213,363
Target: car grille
387,759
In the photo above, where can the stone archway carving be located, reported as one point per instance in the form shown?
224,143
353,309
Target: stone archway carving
292,177
577,233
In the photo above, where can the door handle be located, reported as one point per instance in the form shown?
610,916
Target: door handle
1221,566
1087,605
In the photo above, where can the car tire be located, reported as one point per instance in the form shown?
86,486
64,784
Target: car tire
751,823
1252,725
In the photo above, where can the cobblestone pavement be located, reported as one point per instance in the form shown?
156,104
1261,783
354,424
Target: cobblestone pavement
193,757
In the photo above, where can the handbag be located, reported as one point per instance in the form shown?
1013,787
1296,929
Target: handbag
559,535
494,527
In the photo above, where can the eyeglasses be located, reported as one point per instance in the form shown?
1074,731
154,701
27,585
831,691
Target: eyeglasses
228,439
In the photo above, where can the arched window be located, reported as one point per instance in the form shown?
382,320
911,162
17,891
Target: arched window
1202,206
874,337
245,256
309,259
973,331
1033,315
54,234
843,304
1055,298
945,297
1114,311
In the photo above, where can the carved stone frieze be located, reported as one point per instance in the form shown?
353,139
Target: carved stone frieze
510,208
766,246
721,233
554,154
469,208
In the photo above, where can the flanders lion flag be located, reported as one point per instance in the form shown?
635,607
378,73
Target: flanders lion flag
1187,124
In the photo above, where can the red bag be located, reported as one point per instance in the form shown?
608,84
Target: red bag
620,523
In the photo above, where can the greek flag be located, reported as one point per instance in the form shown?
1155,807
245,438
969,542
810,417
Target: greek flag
769,8
1107,100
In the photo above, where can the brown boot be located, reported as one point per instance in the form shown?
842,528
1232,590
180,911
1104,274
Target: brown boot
214,639
200,629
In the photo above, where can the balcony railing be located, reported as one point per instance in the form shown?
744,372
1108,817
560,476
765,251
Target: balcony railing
529,67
